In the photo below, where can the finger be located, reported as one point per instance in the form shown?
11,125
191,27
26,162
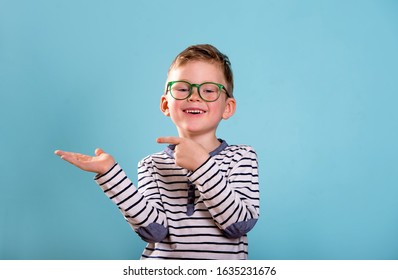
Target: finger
67,154
61,153
98,152
70,158
169,140
79,160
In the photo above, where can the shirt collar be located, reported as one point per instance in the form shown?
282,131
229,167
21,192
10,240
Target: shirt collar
223,144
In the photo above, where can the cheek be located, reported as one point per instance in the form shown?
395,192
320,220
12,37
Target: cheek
174,107
217,109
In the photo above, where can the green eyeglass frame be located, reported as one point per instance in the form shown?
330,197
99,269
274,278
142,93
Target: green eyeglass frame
198,86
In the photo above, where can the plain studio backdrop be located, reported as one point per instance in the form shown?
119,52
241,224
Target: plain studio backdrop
316,88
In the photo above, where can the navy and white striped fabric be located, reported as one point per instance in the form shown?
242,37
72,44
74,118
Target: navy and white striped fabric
203,214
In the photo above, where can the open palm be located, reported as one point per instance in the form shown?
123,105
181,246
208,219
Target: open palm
100,163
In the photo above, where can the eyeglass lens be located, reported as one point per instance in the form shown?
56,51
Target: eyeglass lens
207,91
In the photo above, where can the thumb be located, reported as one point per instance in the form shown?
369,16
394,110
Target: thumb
98,152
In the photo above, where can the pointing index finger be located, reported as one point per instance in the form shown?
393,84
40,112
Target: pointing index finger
169,140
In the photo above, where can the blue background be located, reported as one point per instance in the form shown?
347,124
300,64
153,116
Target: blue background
316,86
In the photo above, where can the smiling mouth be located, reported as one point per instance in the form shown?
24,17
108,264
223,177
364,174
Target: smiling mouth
194,112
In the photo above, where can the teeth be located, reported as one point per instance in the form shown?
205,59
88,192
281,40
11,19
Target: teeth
194,111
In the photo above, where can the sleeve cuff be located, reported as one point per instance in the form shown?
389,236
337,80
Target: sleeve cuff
110,178
196,175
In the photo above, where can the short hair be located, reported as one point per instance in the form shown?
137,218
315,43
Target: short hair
207,53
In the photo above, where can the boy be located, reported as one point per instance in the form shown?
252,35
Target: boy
199,197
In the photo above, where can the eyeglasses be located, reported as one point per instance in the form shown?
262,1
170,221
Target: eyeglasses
208,91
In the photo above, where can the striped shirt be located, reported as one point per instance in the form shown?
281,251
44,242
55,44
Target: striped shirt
204,214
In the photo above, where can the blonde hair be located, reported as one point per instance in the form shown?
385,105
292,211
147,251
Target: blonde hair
207,53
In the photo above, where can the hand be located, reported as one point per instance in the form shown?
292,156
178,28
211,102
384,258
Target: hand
188,154
100,163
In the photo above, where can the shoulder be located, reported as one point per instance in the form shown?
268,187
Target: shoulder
156,158
233,154
239,149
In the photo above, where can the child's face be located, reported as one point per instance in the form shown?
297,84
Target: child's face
193,116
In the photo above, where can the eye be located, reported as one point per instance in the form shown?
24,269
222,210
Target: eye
209,89
180,87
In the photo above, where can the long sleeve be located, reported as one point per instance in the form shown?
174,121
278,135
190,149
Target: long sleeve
145,216
232,199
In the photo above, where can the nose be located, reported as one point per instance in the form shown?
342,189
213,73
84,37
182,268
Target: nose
194,94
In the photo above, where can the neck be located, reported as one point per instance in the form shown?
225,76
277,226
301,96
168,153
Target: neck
208,141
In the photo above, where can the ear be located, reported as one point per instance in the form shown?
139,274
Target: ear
164,106
230,108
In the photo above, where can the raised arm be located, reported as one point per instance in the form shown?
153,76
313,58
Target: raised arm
232,199
145,217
